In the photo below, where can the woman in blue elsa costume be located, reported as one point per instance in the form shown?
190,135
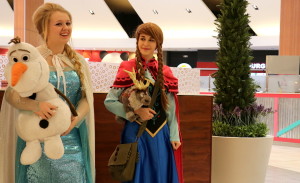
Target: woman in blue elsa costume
159,146
70,74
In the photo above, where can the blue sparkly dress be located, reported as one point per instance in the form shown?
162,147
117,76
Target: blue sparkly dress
74,166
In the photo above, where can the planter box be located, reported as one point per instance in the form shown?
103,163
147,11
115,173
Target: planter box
240,159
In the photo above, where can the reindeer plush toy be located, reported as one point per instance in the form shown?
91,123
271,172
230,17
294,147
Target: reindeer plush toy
27,72
134,98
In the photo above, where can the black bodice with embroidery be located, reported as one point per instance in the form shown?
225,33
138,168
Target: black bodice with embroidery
159,119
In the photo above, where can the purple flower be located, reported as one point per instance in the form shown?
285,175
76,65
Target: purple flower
250,114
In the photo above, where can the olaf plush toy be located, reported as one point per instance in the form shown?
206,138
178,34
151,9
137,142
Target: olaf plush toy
27,72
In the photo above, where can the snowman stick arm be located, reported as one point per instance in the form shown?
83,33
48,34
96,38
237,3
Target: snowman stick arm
72,108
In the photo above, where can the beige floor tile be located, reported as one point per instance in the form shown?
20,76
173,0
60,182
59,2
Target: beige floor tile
284,164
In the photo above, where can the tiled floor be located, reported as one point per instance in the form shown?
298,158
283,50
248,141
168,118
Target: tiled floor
284,163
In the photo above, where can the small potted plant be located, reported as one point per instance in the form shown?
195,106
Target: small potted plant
240,145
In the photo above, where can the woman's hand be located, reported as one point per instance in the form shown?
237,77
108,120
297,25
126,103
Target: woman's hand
175,144
145,113
74,120
46,110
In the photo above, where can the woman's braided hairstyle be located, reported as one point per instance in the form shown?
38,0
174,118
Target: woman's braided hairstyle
41,18
156,33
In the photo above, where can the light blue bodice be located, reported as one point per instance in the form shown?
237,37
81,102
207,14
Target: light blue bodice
73,85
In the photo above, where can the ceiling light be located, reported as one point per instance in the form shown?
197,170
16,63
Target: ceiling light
92,12
188,10
155,11
185,56
255,7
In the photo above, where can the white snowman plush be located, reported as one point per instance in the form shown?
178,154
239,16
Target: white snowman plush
27,72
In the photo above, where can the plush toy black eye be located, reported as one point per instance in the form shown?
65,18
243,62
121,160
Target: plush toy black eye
25,57
15,59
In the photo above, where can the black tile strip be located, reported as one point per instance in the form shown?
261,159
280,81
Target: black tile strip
214,7
11,4
125,14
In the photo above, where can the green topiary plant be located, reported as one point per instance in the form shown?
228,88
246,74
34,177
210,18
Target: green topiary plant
235,108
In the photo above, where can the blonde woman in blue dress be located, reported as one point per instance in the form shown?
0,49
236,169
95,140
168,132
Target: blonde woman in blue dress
70,74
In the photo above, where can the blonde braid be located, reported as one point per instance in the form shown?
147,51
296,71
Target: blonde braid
77,65
160,79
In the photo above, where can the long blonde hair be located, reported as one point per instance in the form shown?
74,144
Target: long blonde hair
156,33
41,19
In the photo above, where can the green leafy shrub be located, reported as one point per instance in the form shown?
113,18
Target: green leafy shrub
234,124
253,130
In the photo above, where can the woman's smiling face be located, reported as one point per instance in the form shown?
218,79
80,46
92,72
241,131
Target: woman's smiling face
147,46
59,28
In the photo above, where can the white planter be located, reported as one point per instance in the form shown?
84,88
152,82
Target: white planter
240,159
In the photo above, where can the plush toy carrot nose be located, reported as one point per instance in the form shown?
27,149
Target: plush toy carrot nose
16,72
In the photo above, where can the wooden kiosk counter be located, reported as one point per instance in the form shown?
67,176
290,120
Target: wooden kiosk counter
195,120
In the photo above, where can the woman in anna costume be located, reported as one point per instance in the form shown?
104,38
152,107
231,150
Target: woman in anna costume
159,146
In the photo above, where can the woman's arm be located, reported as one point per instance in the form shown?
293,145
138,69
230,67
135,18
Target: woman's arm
43,109
82,110
172,122
113,104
